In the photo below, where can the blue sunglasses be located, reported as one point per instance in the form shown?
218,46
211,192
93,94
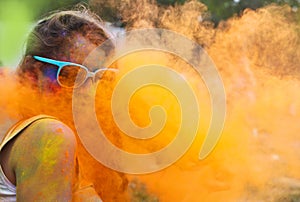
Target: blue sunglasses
72,75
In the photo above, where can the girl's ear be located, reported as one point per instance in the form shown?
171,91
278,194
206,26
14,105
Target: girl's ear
29,71
27,59
29,65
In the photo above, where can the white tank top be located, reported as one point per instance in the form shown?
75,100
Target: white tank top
7,189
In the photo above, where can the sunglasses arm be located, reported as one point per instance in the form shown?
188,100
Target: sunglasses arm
109,69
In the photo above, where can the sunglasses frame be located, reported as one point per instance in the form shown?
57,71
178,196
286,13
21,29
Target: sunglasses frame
61,64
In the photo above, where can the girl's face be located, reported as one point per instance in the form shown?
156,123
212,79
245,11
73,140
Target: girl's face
76,51
51,98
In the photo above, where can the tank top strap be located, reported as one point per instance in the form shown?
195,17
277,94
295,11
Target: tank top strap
19,126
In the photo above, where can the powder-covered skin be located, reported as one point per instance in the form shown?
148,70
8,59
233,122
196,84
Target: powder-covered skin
43,158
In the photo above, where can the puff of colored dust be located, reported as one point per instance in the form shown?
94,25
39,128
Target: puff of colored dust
188,179
146,97
189,19
257,157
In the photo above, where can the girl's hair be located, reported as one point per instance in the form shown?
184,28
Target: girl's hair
49,37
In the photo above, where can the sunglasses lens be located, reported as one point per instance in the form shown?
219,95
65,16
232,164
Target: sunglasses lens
71,76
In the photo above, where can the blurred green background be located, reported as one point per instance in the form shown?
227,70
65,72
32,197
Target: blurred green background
18,16
16,19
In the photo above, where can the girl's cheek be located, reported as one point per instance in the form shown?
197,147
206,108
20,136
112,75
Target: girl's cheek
50,83
50,74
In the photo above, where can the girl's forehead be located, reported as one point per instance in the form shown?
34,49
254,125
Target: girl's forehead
80,42
77,49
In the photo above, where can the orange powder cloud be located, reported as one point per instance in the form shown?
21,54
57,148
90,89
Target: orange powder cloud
257,157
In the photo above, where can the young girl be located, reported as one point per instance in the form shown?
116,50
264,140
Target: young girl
38,155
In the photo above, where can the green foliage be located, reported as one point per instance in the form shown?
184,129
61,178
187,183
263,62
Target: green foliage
289,198
222,10
170,2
